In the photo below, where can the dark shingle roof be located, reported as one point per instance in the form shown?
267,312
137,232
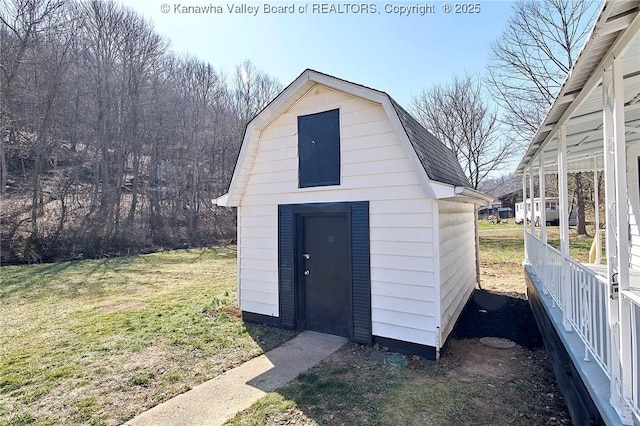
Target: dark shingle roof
438,161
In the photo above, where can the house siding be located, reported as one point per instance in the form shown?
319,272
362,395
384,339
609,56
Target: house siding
633,153
457,260
374,168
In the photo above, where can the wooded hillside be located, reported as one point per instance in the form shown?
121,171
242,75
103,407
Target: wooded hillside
112,144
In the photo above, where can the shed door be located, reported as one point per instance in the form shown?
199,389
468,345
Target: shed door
326,274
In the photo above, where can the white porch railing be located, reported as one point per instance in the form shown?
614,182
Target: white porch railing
631,303
547,262
587,314
587,298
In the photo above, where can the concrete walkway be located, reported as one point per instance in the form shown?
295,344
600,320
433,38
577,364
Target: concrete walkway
216,401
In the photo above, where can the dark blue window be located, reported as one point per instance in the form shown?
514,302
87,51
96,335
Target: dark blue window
319,149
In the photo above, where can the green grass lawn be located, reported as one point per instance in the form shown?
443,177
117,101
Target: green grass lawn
505,241
99,341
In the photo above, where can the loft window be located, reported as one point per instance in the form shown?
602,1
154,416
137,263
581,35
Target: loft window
319,149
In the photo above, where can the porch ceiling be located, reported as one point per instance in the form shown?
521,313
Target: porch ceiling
579,102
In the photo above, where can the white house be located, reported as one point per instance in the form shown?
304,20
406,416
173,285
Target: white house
352,219
590,313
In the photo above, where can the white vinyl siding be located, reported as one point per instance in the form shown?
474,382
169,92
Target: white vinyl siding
633,152
457,260
403,270
374,168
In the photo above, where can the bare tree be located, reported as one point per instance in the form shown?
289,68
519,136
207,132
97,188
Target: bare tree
23,24
459,116
581,227
33,82
108,143
142,48
253,90
531,60
532,57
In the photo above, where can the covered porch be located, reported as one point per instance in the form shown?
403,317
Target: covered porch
589,311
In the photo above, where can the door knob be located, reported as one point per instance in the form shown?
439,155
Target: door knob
307,256
306,272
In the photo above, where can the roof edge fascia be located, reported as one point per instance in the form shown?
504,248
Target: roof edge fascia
463,194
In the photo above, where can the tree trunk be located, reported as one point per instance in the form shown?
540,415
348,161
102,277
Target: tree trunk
35,195
581,225
4,174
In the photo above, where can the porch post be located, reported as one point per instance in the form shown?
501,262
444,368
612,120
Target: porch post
543,218
532,196
524,215
611,129
563,193
622,210
543,203
622,233
596,193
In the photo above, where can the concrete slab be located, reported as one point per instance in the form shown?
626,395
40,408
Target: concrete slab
219,399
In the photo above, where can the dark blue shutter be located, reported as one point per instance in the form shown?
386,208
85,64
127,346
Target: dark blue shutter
286,278
360,272
319,149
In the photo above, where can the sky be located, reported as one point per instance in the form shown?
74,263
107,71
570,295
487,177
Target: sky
398,47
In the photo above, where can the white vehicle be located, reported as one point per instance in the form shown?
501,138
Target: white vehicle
552,211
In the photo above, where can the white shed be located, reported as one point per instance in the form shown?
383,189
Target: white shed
352,219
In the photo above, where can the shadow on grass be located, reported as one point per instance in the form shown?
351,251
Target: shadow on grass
362,385
508,245
490,314
53,279
268,337
24,279
352,389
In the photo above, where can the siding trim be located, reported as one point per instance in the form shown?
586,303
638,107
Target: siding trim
436,277
286,270
361,272
239,256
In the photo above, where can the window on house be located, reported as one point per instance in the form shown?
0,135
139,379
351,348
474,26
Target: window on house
319,149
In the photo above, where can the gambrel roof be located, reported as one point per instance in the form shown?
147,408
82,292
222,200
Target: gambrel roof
437,168
438,161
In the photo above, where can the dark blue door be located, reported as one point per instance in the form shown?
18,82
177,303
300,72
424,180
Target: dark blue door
326,274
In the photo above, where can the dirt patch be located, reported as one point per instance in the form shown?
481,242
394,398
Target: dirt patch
494,278
127,306
490,314
471,384
514,386
229,310
471,358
